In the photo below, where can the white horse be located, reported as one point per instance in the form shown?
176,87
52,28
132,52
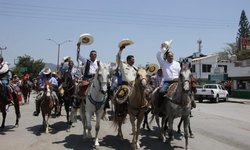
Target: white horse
95,101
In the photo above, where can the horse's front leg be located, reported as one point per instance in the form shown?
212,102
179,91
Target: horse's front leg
99,114
4,117
170,124
88,116
139,121
132,121
186,120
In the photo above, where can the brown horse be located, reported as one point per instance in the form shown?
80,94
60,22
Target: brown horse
26,90
138,104
3,105
47,104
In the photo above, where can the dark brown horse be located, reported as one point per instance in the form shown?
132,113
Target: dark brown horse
68,86
26,90
47,104
3,105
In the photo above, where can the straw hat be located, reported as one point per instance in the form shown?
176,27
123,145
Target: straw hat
47,71
125,42
66,58
86,39
152,69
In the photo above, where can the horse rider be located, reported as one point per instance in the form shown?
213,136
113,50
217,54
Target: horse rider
45,74
170,68
128,69
91,65
5,76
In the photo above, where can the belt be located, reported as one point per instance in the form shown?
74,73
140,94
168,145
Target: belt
170,82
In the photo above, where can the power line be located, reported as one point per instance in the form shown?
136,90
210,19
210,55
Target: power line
66,14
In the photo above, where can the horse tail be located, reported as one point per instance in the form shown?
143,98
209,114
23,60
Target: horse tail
121,111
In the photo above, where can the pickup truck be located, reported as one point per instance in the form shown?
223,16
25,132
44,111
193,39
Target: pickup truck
212,92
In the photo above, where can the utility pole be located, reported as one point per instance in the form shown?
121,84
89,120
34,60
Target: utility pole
2,50
199,50
58,49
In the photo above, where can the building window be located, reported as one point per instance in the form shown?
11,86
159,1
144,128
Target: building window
224,66
206,67
193,68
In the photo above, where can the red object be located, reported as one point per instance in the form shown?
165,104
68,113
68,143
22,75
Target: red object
25,76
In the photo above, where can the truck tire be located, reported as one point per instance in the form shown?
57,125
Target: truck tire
226,99
216,100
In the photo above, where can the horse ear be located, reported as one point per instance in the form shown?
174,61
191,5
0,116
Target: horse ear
181,64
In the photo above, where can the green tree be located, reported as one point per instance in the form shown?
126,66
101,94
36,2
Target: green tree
231,49
27,63
243,33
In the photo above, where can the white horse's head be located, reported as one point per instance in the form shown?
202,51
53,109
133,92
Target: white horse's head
185,77
102,76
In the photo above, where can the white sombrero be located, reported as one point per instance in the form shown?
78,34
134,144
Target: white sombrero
152,69
47,71
86,39
4,69
125,42
66,58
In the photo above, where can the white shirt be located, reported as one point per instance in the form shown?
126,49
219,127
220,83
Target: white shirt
93,66
128,72
170,71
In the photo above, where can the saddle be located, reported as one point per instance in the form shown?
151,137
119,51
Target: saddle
83,86
122,94
171,90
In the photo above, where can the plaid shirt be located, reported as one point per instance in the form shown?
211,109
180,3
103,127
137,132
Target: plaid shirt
156,81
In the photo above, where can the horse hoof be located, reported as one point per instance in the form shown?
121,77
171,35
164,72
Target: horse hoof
191,136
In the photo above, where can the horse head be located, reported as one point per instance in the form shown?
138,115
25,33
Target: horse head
47,88
141,78
102,76
185,77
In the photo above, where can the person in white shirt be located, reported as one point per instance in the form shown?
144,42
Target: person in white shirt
170,69
91,65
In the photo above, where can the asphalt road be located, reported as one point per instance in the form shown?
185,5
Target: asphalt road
216,126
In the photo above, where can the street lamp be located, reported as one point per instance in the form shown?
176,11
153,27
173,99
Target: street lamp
58,50
2,50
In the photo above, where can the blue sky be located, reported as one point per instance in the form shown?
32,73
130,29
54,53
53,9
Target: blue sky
27,24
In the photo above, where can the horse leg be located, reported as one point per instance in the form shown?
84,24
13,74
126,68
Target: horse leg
17,112
186,120
83,118
4,116
179,125
139,121
191,135
88,116
47,123
132,121
170,124
97,126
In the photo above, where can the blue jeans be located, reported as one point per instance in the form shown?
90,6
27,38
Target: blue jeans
164,87
5,83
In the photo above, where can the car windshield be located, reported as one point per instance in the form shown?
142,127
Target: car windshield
210,86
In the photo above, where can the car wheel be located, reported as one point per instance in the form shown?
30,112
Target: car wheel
216,100
200,100
226,99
